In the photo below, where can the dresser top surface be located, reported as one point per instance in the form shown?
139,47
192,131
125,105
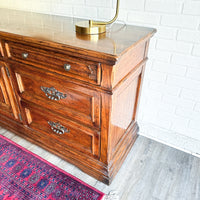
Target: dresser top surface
61,30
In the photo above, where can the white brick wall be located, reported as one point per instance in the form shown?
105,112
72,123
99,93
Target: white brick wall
170,102
196,50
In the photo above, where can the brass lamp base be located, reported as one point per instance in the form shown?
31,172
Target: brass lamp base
86,28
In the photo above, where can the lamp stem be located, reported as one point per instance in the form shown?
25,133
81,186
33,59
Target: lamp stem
91,22
95,27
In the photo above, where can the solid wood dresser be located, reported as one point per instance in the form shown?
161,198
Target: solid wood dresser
75,96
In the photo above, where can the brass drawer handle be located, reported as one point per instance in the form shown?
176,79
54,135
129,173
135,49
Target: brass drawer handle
25,55
58,128
53,94
67,67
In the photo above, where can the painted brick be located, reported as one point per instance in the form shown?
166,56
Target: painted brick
27,6
169,68
152,43
99,3
173,45
105,13
182,82
152,117
163,6
74,2
187,113
131,4
159,55
40,7
189,36
4,18
147,72
190,94
189,104
178,123
194,134
163,123
166,108
181,21
85,12
195,124
196,50
143,17
187,60
180,128
166,32
163,88
194,74
60,9
122,16
197,107
4,4
192,8
155,96
157,76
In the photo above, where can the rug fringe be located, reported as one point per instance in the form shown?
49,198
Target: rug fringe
112,195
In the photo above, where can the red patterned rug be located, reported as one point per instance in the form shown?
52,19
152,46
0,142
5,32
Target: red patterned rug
26,176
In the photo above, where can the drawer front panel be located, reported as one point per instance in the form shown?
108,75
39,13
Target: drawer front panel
58,95
62,64
62,131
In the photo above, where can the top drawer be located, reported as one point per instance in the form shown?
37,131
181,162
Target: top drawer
63,64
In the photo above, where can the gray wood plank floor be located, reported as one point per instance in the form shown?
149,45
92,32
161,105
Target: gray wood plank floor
152,171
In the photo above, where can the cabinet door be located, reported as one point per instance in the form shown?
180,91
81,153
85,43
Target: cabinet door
1,51
8,105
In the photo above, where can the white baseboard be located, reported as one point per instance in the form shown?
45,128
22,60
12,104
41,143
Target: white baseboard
170,138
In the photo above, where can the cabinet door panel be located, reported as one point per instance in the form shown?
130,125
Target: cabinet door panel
1,51
8,105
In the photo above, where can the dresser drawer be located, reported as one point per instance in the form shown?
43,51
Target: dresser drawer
58,95
54,129
66,65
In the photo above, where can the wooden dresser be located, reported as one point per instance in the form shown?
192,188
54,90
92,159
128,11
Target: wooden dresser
75,96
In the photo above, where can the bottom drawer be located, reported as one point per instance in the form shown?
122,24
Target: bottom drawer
62,130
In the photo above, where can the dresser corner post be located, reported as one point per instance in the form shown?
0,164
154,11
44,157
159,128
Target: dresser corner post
105,127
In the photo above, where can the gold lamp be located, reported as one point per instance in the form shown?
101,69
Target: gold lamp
91,27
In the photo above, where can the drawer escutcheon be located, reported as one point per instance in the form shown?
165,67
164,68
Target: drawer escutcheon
53,94
58,128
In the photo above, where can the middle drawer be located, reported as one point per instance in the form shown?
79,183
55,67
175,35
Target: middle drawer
58,95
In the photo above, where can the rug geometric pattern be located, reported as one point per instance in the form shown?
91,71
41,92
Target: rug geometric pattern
26,176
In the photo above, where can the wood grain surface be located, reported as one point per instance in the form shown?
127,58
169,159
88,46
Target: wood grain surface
50,29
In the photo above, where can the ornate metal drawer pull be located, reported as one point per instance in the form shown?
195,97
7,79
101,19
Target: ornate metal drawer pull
53,94
91,70
67,67
24,55
58,128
